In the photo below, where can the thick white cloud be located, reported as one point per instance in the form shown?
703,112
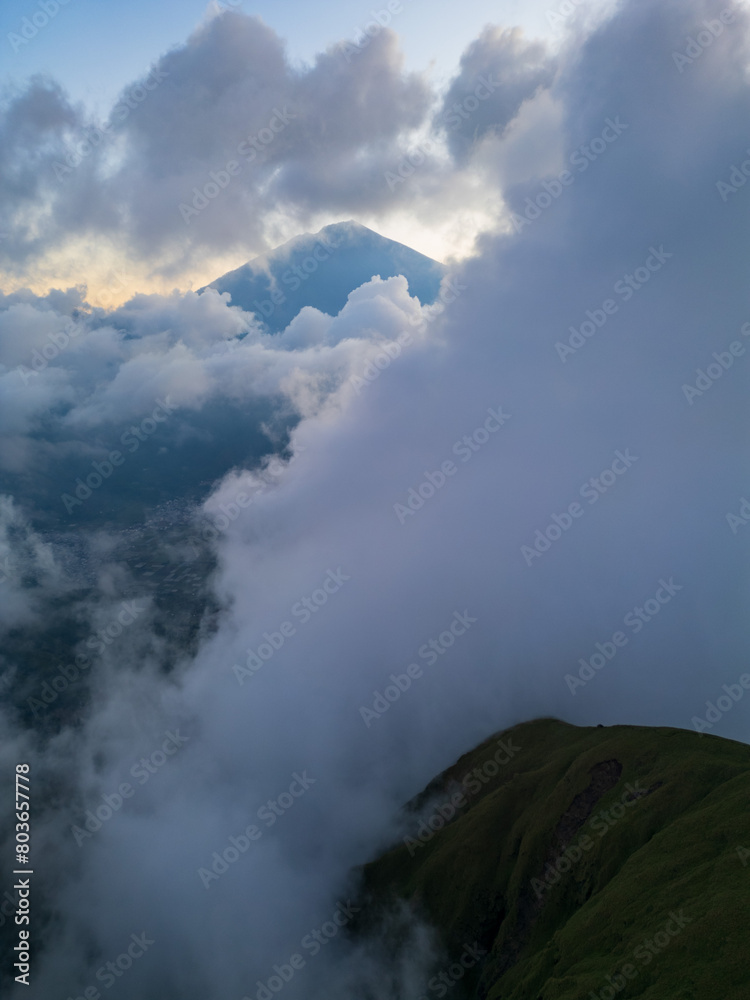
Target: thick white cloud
68,375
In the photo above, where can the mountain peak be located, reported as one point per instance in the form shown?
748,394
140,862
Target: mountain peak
311,270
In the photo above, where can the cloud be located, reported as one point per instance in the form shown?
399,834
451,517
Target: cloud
224,140
33,120
180,387
29,572
219,136
37,123
499,71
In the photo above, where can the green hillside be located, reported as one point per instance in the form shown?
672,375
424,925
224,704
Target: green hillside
620,852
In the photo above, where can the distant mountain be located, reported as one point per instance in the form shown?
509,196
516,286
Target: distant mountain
321,269
580,863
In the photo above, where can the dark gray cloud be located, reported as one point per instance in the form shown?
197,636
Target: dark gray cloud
33,126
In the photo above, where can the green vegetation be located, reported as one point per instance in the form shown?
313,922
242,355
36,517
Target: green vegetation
640,834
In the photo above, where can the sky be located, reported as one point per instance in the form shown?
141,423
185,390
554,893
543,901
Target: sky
410,524
76,48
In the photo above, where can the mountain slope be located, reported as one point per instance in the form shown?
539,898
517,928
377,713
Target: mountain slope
321,269
592,853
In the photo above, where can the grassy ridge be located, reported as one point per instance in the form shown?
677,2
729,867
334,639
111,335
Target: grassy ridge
593,853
